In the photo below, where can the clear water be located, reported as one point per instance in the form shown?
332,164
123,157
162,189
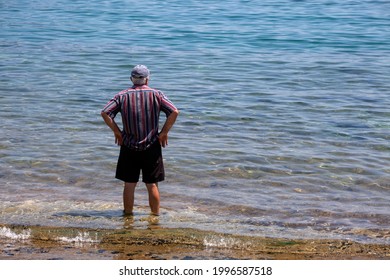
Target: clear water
285,113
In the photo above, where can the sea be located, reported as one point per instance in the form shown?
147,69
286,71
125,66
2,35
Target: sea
284,125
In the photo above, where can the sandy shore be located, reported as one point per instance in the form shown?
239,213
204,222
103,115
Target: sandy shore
46,243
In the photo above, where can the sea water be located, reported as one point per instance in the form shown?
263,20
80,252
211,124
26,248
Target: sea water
284,127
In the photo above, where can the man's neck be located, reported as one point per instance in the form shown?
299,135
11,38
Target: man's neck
140,86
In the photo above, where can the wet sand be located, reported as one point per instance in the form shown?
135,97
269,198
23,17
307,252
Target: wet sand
155,243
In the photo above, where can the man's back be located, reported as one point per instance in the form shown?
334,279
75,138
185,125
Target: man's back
140,107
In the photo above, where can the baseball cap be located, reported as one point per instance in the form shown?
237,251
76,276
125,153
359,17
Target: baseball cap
140,71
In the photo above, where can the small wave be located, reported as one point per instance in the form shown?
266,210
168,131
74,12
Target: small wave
225,242
8,233
81,238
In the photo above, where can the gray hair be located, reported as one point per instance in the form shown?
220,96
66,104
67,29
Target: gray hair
139,81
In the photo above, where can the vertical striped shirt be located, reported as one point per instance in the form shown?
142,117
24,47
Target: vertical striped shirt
140,107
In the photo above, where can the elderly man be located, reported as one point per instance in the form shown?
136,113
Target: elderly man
140,139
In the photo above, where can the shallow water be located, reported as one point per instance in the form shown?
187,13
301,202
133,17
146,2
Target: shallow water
284,126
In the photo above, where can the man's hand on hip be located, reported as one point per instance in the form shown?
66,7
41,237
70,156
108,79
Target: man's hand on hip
163,139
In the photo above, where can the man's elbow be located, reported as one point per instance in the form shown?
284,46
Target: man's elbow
105,116
176,112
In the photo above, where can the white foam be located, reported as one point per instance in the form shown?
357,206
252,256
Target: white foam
81,238
223,242
8,233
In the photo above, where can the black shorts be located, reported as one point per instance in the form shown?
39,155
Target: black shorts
150,161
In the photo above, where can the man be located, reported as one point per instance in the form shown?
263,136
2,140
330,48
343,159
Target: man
140,140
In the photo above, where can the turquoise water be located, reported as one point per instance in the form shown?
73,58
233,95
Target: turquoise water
285,113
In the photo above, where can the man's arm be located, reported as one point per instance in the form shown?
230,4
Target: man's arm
114,127
163,136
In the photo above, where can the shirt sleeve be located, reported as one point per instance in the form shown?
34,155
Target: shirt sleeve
166,105
112,108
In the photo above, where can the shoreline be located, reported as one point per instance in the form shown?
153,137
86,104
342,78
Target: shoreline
155,243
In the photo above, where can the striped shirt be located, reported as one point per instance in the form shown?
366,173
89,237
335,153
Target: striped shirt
140,107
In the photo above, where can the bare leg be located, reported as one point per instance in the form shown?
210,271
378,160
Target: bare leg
154,198
128,197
